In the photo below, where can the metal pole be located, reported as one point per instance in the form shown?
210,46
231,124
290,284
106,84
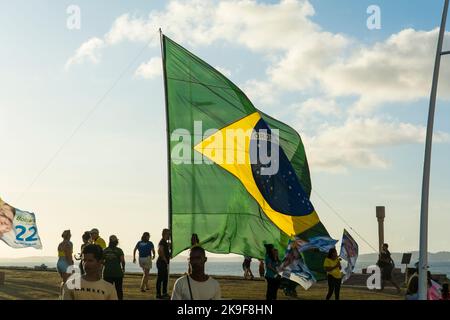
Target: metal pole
169,176
423,248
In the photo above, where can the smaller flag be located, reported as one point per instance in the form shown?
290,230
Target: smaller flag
434,291
349,253
18,228
294,267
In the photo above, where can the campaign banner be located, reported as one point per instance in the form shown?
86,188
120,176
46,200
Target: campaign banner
18,228
349,253
294,267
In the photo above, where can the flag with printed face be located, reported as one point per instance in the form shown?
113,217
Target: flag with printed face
294,267
18,228
349,253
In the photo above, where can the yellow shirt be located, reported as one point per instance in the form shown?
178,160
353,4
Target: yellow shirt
99,241
336,272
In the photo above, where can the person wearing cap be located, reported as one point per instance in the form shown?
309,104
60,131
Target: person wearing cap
114,269
96,239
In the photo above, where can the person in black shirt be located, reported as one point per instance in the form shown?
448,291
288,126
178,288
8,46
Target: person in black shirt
164,255
387,266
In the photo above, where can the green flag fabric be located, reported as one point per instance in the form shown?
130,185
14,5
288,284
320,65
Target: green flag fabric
231,205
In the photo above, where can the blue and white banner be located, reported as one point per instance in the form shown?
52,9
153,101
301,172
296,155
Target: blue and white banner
18,228
294,267
349,253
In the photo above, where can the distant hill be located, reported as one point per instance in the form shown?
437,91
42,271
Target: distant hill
443,256
52,259
363,259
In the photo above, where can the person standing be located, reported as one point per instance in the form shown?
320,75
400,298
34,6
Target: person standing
195,241
272,277
65,251
332,266
387,266
86,237
145,248
96,239
114,265
197,285
246,267
412,288
162,263
91,286
261,268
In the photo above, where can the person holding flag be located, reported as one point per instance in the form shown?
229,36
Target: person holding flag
332,266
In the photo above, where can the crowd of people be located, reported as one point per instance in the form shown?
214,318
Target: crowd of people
102,269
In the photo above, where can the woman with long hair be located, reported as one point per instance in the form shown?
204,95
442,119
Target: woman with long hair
65,251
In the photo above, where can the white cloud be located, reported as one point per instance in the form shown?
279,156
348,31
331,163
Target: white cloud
354,144
396,70
201,22
321,106
259,92
302,58
224,71
305,61
90,50
133,29
150,69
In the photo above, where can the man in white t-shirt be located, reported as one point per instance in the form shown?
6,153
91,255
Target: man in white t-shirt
197,285
91,286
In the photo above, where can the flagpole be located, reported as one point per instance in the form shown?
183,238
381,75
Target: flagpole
423,248
169,177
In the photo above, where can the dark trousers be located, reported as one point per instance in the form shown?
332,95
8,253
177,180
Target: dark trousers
272,288
163,277
117,282
333,285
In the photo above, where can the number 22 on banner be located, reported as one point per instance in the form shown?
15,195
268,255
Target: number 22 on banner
23,230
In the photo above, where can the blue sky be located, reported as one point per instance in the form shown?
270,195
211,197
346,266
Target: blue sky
358,97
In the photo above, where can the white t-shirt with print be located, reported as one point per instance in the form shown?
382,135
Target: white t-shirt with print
205,290
90,290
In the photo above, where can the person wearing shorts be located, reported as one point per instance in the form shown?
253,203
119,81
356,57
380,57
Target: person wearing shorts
146,251
65,260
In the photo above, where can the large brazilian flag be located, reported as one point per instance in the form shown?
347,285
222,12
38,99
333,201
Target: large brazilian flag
234,206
